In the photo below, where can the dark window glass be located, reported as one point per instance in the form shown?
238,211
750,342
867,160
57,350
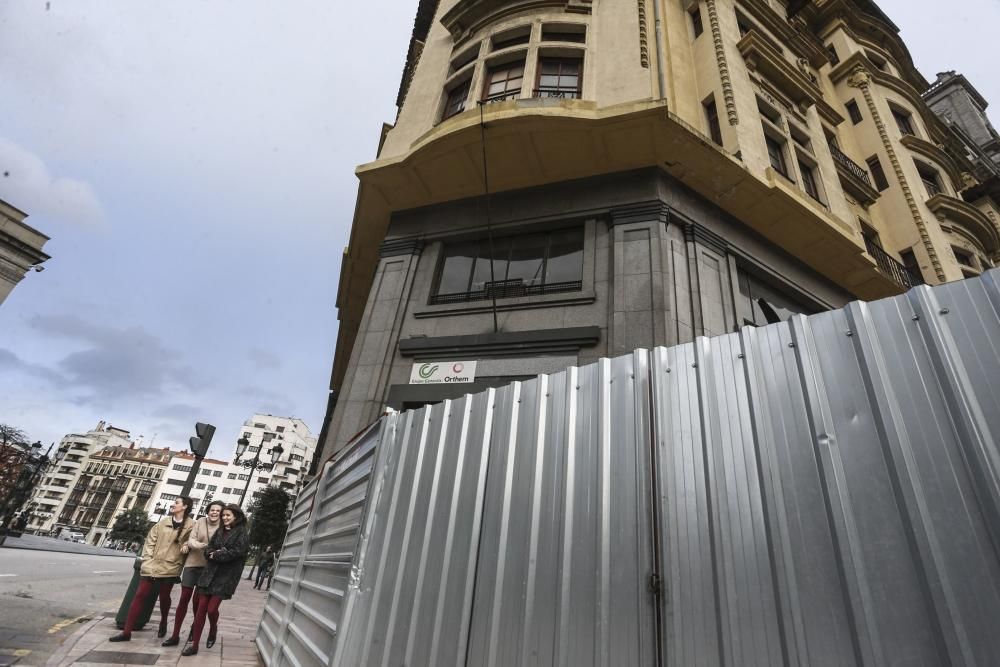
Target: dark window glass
776,154
504,41
456,99
696,21
503,82
831,53
744,25
930,178
903,121
964,257
878,176
809,180
712,117
563,33
526,264
559,77
761,303
854,112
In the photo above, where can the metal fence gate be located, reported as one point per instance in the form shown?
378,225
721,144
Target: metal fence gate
824,491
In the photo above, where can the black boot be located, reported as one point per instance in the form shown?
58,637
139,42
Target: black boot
171,641
121,637
190,649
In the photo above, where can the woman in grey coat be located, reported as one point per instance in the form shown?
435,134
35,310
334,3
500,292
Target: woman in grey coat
224,559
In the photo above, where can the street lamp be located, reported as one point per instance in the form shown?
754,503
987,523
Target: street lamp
255,464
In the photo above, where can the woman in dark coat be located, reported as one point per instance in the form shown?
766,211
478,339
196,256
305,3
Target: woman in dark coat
224,556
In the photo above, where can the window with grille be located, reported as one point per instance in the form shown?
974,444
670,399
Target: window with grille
504,82
712,119
559,77
522,265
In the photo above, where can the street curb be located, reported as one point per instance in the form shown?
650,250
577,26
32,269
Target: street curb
75,553
70,642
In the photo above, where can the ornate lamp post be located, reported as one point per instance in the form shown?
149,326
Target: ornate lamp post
255,464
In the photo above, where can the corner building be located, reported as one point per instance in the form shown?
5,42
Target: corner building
657,171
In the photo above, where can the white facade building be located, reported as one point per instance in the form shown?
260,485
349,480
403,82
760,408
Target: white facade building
210,484
290,469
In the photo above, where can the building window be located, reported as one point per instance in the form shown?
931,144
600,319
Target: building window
464,58
930,178
199,486
964,257
743,25
279,429
809,180
256,425
877,60
760,303
511,38
457,97
696,23
854,112
831,53
564,32
503,82
244,478
217,473
212,487
180,468
912,267
522,265
231,475
226,490
776,154
712,118
903,122
559,77
246,434
878,176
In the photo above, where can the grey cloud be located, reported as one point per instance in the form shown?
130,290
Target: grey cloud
178,411
118,363
264,358
11,362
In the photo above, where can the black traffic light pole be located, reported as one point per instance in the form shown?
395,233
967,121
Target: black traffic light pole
199,447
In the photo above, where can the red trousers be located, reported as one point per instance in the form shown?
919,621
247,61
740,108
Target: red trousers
146,588
205,605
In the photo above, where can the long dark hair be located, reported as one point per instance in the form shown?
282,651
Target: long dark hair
241,518
187,502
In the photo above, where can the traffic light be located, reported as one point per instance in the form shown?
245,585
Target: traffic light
199,443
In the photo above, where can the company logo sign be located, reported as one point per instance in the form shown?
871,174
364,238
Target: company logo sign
443,372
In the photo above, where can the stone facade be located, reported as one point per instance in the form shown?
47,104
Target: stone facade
20,248
725,162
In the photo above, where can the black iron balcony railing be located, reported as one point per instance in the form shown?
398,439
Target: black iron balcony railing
561,93
849,164
501,97
889,266
504,289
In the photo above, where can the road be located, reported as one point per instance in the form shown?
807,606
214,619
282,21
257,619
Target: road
44,594
52,544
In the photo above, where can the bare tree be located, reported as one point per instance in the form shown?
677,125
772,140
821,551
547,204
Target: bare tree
12,435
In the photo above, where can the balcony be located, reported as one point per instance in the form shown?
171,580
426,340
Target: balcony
505,289
889,266
558,93
853,177
502,97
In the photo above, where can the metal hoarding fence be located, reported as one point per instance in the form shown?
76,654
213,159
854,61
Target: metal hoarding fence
824,491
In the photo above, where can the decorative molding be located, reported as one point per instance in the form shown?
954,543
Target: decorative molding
720,57
643,47
654,211
504,343
466,17
699,235
397,247
975,223
861,78
13,275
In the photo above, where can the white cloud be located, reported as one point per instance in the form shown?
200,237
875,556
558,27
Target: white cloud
27,183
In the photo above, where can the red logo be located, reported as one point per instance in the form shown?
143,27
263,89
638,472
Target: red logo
458,368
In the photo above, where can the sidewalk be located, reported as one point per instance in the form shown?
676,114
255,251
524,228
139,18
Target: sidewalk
238,619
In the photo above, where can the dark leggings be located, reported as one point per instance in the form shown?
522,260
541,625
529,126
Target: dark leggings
205,605
146,588
182,607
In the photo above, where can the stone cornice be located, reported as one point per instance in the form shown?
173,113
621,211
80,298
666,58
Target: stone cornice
28,252
800,88
968,216
802,42
468,16
936,154
504,343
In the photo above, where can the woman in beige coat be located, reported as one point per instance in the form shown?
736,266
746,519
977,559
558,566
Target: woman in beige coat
202,532
162,561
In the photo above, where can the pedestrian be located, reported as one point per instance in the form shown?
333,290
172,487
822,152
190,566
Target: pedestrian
201,534
225,557
266,562
274,567
162,561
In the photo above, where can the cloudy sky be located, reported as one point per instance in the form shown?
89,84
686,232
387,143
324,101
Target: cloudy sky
193,164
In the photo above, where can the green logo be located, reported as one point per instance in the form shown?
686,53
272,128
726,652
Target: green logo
427,370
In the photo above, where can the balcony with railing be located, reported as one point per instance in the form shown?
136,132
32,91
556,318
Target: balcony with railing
502,97
505,289
853,177
557,92
888,265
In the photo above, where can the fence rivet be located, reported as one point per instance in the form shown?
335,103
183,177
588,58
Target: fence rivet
849,333
668,370
944,311
791,345
739,356
694,365
916,317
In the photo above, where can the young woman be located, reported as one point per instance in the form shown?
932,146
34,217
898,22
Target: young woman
162,561
201,534
225,555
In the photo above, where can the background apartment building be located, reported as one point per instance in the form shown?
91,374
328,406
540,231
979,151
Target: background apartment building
94,477
658,171
227,480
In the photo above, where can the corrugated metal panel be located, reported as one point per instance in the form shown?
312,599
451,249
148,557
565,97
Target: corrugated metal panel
824,491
